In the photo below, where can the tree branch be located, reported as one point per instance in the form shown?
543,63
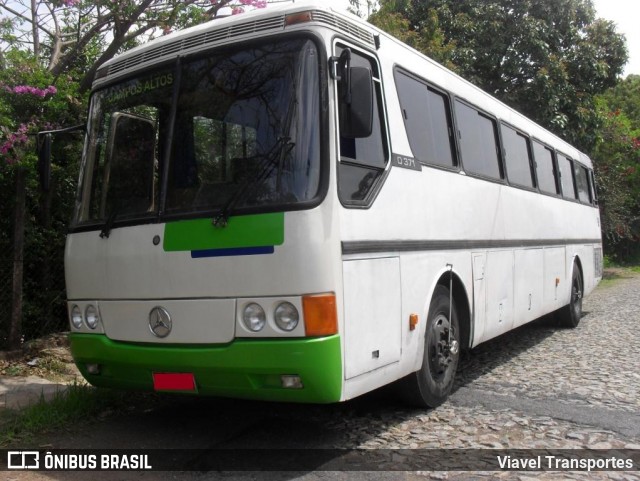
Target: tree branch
25,18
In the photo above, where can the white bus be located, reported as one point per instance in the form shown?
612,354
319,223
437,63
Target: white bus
291,205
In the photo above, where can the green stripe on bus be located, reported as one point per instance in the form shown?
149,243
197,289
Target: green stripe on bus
245,368
241,231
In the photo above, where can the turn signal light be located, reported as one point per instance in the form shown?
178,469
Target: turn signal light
320,315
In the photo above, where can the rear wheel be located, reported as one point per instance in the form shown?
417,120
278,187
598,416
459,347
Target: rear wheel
569,315
431,385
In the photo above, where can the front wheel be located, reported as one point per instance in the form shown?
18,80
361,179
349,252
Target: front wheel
431,385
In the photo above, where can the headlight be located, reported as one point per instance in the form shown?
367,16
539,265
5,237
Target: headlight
254,317
76,317
91,316
286,316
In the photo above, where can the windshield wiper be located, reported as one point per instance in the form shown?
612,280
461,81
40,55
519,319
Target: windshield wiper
274,158
271,160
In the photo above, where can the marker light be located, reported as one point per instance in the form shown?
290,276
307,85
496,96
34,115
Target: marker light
76,317
254,317
320,315
91,316
296,18
286,316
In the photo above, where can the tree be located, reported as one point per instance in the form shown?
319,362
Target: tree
625,97
362,8
96,31
428,38
617,161
30,102
545,58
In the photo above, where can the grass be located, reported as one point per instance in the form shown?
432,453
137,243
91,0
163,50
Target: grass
77,404
614,271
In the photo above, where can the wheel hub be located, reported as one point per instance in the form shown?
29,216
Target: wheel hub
442,351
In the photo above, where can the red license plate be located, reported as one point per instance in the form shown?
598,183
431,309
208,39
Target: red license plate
174,381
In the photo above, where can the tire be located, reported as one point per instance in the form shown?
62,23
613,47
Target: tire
431,385
569,316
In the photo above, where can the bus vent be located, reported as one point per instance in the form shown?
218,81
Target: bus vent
343,26
198,41
597,261
203,39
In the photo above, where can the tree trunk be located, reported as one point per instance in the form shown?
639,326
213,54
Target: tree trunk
46,286
15,329
34,24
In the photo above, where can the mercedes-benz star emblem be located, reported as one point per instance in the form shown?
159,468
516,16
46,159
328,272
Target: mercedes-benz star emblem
160,322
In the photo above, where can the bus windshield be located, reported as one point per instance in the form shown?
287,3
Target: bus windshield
244,132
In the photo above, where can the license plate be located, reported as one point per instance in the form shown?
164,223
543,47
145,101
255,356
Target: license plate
174,381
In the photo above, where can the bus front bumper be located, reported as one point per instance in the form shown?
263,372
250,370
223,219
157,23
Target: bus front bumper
247,369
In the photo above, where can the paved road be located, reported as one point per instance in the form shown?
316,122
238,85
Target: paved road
537,387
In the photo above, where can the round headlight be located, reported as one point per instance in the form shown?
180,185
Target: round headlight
91,316
76,317
286,316
254,317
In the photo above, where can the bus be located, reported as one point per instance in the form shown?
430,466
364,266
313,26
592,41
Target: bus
291,205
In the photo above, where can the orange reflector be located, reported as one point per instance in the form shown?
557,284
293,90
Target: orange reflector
320,316
413,321
296,18
174,381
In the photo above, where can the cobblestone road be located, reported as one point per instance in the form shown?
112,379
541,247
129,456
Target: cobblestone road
537,387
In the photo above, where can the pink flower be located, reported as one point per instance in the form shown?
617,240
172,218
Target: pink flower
28,89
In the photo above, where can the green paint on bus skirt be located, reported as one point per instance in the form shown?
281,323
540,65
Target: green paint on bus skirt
245,368
258,230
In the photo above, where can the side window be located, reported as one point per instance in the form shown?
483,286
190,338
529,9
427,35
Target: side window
592,188
545,169
517,156
427,118
566,177
363,160
478,142
582,183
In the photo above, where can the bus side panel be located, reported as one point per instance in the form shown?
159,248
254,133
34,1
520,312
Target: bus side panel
554,274
499,271
372,314
528,298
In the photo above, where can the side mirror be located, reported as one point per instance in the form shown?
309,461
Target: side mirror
44,160
356,113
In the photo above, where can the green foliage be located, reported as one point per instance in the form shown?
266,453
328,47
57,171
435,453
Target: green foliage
24,111
545,58
625,97
428,38
617,161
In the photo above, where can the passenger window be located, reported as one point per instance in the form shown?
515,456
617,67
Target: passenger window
427,118
566,177
363,160
545,169
478,142
517,156
582,183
